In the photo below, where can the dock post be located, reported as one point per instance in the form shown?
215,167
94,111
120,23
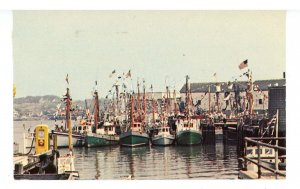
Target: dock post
258,161
19,169
245,154
54,141
276,162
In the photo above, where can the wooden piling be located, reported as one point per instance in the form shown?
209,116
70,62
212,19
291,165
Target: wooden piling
55,141
259,162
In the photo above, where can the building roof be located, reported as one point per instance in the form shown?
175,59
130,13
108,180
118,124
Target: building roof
242,85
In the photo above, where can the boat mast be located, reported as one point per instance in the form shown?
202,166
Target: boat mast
209,99
250,94
163,111
144,100
175,103
131,111
96,108
218,89
112,104
138,104
68,119
117,97
86,110
167,100
125,105
152,104
106,107
187,95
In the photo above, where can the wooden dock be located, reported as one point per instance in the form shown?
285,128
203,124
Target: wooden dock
32,167
262,161
254,175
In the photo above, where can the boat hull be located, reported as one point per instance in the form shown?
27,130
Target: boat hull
97,140
62,140
189,137
163,140
133,139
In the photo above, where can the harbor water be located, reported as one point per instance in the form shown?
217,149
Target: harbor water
218,160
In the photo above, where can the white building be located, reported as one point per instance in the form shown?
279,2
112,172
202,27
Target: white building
200,94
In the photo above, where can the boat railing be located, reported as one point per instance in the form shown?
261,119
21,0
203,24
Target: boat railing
257,159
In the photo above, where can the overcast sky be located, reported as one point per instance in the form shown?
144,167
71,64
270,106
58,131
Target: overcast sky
159,46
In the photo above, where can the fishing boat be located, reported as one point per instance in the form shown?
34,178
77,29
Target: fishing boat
62,137
188,132
135,134
105,134
188,127
162,135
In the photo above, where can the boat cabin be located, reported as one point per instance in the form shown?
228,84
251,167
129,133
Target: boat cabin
186,125
107,129
80,129
163,130
137,127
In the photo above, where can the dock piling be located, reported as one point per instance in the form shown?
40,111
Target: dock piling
258,161
19,169
245,154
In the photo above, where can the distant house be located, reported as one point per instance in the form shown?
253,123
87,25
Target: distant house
200,92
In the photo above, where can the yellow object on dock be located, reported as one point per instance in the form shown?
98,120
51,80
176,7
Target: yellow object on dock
42,139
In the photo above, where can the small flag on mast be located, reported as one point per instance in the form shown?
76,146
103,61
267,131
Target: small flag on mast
112,73
67,78
244,64
246,74
128,74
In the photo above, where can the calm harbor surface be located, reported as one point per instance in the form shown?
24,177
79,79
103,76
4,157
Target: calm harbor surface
213,161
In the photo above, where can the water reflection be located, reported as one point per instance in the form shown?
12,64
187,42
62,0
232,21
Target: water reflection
98,175
134,158
164,154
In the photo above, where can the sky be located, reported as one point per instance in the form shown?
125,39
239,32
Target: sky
161,47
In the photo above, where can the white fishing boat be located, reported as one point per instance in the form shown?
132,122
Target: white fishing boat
163,137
